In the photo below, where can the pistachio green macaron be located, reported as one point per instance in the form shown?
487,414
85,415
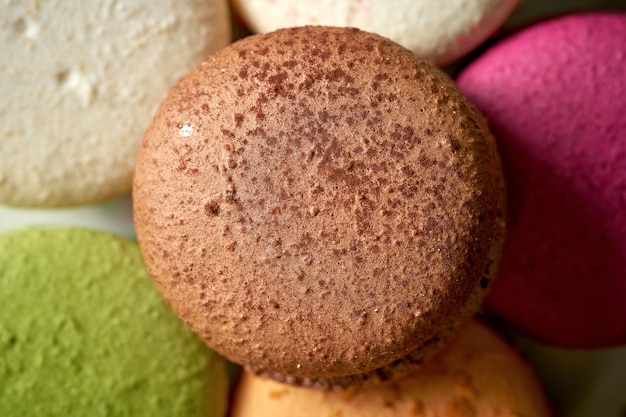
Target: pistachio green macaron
83,332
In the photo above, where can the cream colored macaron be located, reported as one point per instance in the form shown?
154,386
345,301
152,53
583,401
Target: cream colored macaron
79,83
441,31
478,374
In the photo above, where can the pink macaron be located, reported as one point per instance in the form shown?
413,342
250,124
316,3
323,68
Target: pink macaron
555,96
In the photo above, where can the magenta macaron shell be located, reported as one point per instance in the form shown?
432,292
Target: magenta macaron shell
555,96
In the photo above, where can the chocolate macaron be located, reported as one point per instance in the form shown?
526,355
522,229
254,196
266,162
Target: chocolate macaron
319,205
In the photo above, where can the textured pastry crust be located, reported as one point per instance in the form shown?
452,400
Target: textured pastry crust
79,83
84,333
476,374
554,94
317,202
415,359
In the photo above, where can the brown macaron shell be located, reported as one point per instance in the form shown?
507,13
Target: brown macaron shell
415,359
317,202
477,374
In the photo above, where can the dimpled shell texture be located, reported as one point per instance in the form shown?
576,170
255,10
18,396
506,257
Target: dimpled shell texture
477,374
79,83
554,95
316,201
84,333
441,31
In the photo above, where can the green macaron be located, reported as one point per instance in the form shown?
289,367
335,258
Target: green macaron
83,332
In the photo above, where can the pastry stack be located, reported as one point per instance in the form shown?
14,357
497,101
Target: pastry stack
319,204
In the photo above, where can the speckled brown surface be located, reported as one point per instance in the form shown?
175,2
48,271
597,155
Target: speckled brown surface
316,202
477,374
416,358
